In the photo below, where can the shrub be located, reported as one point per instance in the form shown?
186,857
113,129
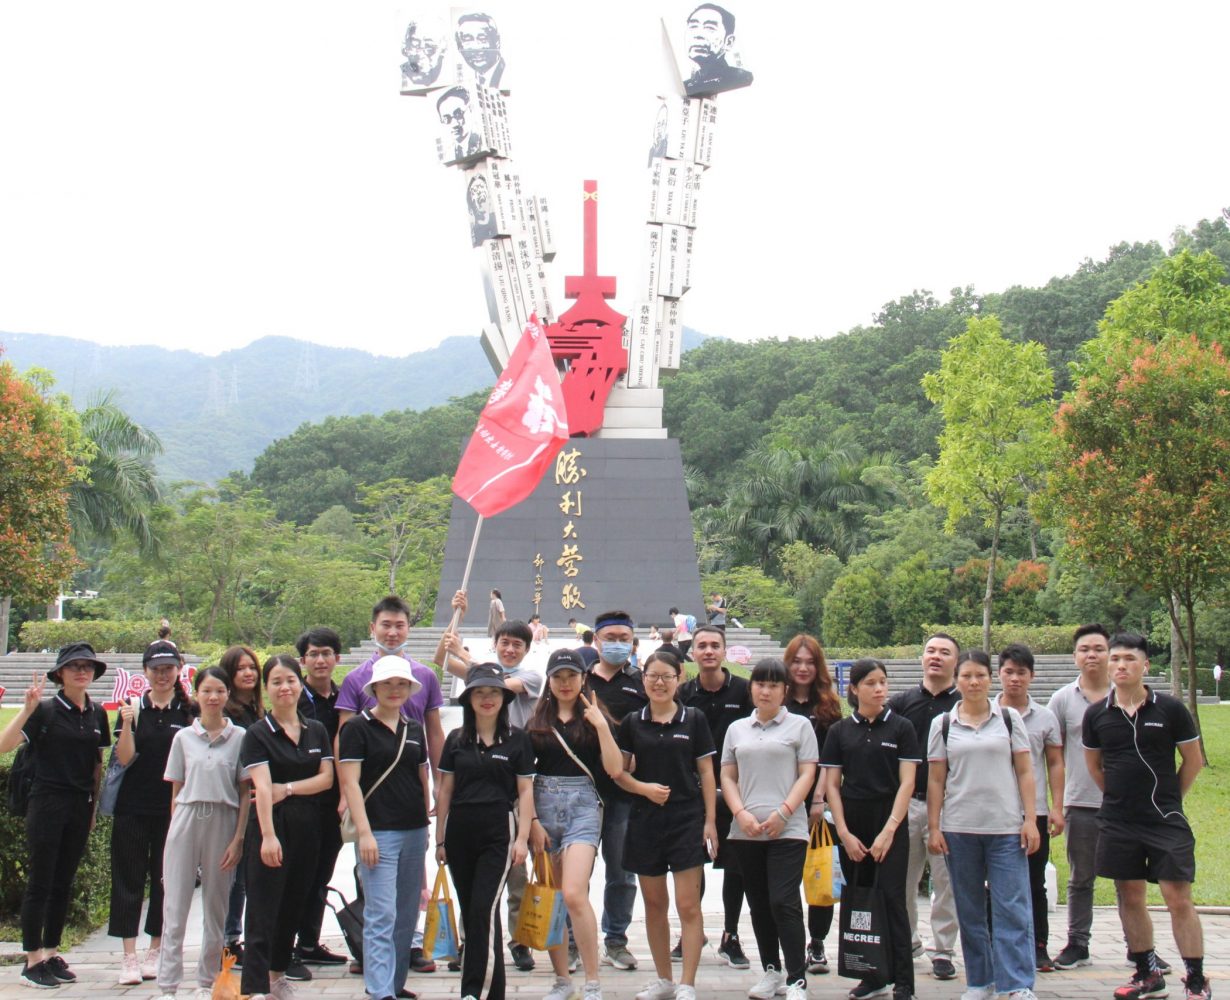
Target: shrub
105,635
1039,638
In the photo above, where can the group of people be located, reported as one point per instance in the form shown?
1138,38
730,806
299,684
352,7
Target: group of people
662,774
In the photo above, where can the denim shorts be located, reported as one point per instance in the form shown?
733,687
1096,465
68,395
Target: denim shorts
569,810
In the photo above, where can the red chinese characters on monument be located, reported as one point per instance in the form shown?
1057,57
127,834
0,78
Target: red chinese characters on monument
589,335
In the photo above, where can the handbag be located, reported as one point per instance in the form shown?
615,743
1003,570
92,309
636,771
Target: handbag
820,884
863,946
542,919
114,776
350,833
440,931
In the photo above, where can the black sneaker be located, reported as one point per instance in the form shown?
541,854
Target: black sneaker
1140,988
454,964
420,962
297,972
1162,965
942,968
1074,955
236,949
902,993
1042,961
817,961
320,955
521,957
59,968
1193,990
866,989
731,952
677,951
38,977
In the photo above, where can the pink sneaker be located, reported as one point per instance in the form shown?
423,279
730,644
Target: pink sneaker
130,971
149,965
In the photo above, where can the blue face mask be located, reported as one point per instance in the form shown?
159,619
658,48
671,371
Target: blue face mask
616,653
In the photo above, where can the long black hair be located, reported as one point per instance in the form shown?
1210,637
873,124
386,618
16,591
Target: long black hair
469,723
577,730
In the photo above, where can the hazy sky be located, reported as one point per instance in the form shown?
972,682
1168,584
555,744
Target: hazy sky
200,175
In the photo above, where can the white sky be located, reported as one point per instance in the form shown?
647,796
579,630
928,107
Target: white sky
199,176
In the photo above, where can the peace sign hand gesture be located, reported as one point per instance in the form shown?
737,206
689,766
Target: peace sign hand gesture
34,694
593,712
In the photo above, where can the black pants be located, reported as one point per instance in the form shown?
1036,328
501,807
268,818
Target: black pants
478,846
732,881
865,820
277,896
772,874
137,843
57,828
1037,880
330,847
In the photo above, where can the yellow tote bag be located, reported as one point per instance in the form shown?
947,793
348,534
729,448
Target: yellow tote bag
818,867
540,924
440,931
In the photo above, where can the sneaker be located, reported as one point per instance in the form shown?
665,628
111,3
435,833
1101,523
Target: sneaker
320,955
731,952
420,962
130,971
59,968
1042,961
979,993
771,984
1202,992
903,993
685,992
867,989
166,996
405,994
236,949
619,956
562,990
203,993
660,989
1074,955
296,971
1138,988
1162,965
282,989
592,990
149,964
918,951
521,957
37,977
817,961
796,991
1022,995
942,968
356,968
574,956
677,951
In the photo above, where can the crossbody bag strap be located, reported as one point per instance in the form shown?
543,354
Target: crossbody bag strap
401,745
575,759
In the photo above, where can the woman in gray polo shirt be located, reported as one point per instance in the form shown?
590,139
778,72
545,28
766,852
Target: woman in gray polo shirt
981,776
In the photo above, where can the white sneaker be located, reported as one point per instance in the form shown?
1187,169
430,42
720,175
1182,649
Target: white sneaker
796,991
167,996
685,992
130,971
562,990
770,985
659,989
282,989
592,990
1022,995
203,993
980,993
149,965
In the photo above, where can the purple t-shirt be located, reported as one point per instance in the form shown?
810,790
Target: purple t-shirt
352,699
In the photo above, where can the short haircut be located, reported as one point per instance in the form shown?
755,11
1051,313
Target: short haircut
613,618
587,636
728,19
943,635
514,628
673,611
713,629
391,605
1018,653
770,670
281,660
321,635
666,655
486,19
1130,640
497,593
459,92
1093,628
974,656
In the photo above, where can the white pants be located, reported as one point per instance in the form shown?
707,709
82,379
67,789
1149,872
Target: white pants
943,906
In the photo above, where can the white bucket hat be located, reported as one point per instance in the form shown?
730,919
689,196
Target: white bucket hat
388,668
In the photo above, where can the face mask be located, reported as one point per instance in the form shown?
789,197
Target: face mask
391,650
616,653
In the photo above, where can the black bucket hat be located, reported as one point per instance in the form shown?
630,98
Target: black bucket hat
77,651
486,675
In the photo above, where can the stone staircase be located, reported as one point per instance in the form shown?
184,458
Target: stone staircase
16,672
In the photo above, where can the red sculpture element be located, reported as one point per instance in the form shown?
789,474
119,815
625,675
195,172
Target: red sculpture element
589,335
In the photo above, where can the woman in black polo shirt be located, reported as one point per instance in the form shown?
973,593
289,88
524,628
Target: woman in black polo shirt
671,826
811,695
244,707
869,760
67,733
143,807
289,761
483,816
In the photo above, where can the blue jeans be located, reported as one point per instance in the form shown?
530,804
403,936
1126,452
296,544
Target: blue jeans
619,895
391,908
977,861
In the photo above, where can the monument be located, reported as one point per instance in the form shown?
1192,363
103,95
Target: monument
609,526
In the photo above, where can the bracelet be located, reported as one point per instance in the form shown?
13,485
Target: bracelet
786,806
290,789
785,816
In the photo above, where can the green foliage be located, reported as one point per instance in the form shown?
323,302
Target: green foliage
407,522
1039,638
811,573
916,594
755,599
110,636
856,610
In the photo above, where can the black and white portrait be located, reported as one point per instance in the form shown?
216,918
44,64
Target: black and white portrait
462,128
657,147
424,47
477,39
478,203
711,62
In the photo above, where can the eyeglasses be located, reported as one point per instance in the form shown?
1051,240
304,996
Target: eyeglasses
660,678
79,665
319,654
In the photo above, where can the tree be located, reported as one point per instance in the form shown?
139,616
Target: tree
1138,479
995,397
405,518
40,441
856,609
755,599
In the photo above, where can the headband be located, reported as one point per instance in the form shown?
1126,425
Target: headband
613,620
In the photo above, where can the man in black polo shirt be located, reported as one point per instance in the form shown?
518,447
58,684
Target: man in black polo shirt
1130,741
319,650
722,698
934,696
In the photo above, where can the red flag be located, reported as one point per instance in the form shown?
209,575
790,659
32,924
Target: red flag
519,433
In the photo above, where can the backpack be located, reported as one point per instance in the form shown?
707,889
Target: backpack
691,623
1003,715
21,776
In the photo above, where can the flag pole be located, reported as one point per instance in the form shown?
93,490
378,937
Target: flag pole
465,577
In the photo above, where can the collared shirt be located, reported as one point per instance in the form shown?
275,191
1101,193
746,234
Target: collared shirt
1138,755
981,793
768,755
143,792
267,745
921,708
69,742
321,707
667,753
1069,706
869,754
207,768
486,775
352,699
553,760
729,703
622,694
1044,732
397,802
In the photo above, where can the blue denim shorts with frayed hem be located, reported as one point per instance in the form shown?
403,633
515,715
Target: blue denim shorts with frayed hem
569,810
